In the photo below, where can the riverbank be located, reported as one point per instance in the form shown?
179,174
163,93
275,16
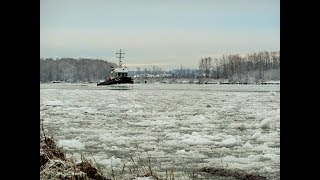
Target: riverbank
55,165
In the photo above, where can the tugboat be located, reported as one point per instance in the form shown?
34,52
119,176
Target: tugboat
119,75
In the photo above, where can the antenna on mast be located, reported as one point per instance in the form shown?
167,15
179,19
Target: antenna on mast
120,62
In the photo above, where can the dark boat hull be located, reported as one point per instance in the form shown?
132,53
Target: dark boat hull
118,80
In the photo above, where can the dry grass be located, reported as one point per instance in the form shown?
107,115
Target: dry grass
55,165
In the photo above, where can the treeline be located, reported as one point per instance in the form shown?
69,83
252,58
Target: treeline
254,67
240,68
74,70
174,73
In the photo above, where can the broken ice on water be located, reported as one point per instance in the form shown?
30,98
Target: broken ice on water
185,126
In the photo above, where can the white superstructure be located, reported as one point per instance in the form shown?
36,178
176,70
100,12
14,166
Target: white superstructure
119,72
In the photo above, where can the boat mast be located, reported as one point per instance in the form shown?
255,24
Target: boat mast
120,62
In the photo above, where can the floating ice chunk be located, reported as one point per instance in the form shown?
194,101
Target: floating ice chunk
104,162
190,154
256,135
242,126
156,122
199,118
144,178
71,144
138,106
195,139
267,157
121,142
54,103
195,134
254,166
266,123
268,137
88,109
273,93
114,148
181,151
274,157
140,112
231,142
115,162
112,105
266,170
247,145
232,159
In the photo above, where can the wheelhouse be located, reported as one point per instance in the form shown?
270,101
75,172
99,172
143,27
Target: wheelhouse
119,72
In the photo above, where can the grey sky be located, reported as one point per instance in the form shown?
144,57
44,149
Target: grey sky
158,32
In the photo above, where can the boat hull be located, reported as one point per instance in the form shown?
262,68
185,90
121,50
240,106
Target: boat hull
118,80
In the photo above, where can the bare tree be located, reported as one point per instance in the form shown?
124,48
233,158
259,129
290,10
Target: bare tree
156,70
205,64
138,71
236,66
73,70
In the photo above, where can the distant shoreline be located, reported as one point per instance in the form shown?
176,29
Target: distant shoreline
144,80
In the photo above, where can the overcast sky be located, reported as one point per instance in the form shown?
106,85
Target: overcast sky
166,33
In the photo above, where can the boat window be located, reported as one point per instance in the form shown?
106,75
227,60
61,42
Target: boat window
125,74
119,74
